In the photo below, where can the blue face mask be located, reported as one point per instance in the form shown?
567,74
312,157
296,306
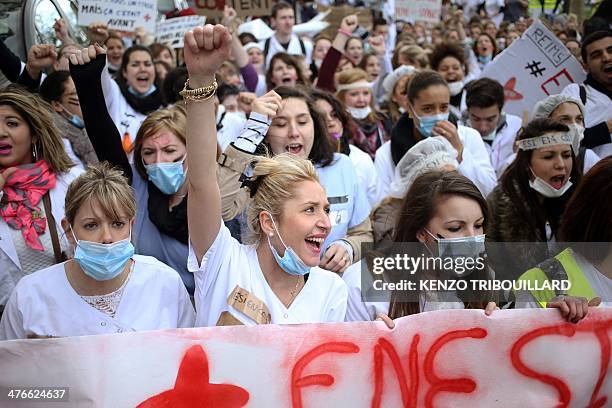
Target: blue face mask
168,177
427,123
290,262
137,94
74,119
486,59
103,261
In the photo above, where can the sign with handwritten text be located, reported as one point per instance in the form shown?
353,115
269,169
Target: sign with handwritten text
533,67
244,8
172,31
122,15
418,10
452,358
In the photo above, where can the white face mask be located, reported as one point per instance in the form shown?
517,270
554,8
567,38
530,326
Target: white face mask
455,87
490,136
546,189
577,133
359,113
318,62
401,109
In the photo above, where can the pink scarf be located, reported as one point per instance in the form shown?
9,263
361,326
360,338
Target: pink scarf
19,206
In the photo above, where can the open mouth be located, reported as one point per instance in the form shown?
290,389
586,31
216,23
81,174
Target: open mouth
608,69
314,244
294,148
5,149
142,80
287,80
557,181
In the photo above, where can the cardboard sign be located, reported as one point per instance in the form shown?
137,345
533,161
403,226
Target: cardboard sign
122,15
172,31
452,358
418,10
244,8
533,67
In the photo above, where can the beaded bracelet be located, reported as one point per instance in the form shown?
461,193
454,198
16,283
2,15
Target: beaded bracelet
200,94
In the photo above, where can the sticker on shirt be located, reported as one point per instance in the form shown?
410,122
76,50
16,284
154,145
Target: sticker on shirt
248,304
338,217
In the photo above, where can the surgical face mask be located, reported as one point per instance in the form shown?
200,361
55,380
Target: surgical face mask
490,136
401,109
134,92
290,262
168,177
462,247
318,62
546,189
427,123
74,119
359,113
577,133
103,261
455,87
485,59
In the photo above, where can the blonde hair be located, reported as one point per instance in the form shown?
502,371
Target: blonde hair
412,54
173,119
107,186
277,178
351,76
45,135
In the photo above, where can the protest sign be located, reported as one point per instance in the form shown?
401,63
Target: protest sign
172,31
244,8
450,358
418,10
122,15
533,67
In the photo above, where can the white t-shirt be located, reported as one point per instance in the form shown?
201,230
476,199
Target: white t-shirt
366,173
228,263
45,304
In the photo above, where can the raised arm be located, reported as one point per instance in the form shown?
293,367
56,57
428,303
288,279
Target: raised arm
10,64
85,68
205,50
332,58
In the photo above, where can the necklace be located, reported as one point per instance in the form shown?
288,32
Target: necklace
293,292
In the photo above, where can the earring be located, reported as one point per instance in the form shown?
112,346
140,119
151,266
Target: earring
271,234
34,152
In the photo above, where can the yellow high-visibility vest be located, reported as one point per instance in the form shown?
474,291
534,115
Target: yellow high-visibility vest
580,286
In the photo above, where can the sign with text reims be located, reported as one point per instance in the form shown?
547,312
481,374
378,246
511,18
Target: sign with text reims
244,8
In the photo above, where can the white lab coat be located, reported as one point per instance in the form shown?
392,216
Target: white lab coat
366,173
294,48
475,165
45,304
10,267
228,263
597,110
502,147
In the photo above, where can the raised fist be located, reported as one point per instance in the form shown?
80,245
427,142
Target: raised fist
206,48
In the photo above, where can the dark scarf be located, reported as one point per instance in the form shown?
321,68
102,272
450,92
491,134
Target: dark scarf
172,223
597,85
145,105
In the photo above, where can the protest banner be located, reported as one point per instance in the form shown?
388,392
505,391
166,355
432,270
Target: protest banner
450,358
533,67
418,10
172,31
122,15
244,8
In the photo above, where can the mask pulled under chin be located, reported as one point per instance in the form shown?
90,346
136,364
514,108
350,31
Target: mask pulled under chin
290,262
455,87
547,190
137,94
359,113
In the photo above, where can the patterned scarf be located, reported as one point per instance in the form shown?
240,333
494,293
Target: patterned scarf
19,206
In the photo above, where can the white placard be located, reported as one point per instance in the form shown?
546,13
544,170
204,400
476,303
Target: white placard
533,67
418,10
172,31
122,15
448,358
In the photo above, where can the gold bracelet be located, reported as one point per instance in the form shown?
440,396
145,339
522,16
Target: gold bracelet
199,94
